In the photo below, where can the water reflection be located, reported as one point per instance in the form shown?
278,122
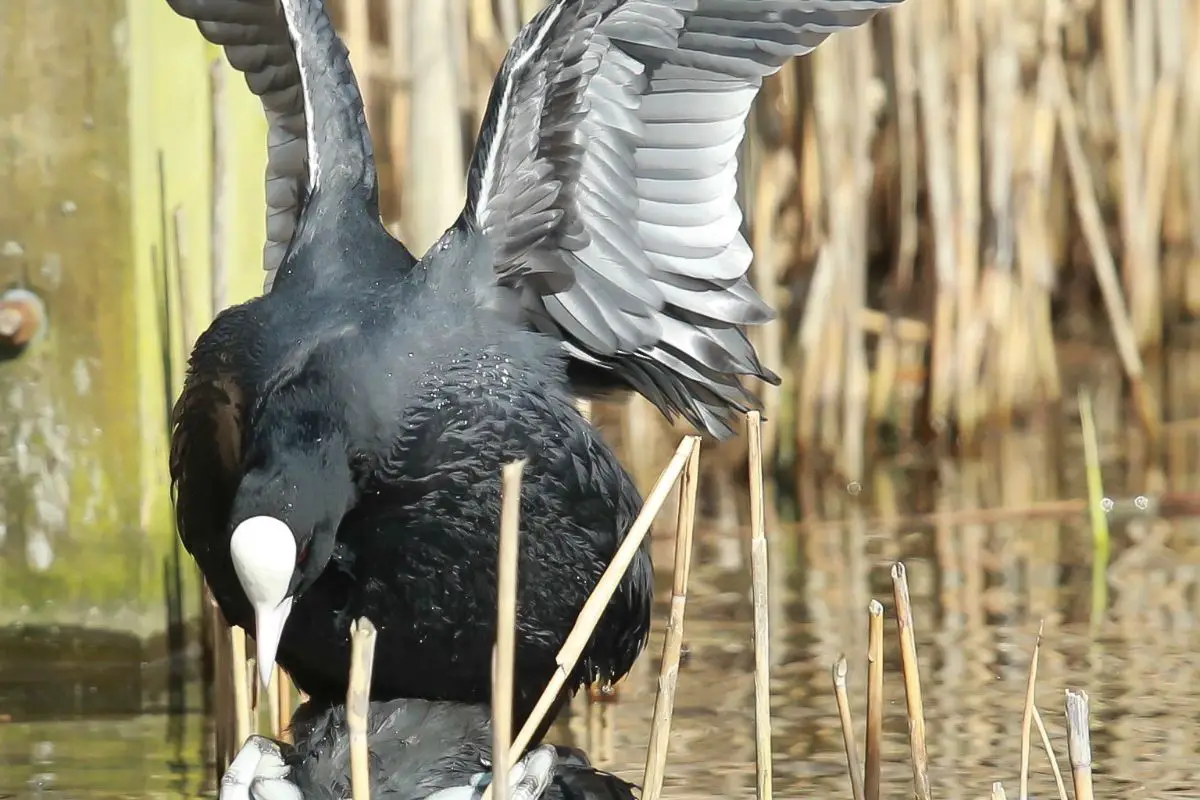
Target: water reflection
980,586
1137,666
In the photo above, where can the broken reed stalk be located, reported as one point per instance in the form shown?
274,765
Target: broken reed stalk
1049,748
358,704
506,623
998,791
283,705
1079,743
1027,714
589,615
843,704
668,674
273,716
758,593
241,686
912,682
873,774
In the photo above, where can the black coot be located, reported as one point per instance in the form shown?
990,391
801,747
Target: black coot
419,750
337,446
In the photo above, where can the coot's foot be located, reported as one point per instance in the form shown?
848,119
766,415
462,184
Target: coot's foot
259,772
527,780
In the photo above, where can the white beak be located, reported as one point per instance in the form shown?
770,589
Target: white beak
264,557
268,627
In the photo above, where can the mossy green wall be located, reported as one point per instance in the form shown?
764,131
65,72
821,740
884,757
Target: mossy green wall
106,165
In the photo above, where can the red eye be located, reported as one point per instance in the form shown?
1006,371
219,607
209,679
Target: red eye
300,559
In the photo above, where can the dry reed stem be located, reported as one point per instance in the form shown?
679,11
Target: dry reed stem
909,142
358,705
1091,220
1079,743
1114,19
435,160
912,683
506,623
759,594
1027,714
1049,748
509,16
283,704
931,29
273,715
873,775
668,675
594,724
998,791
589,615
843,704
968,212
241,686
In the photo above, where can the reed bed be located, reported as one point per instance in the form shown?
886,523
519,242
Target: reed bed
937,203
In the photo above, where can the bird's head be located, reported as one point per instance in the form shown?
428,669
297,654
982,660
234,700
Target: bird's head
281,543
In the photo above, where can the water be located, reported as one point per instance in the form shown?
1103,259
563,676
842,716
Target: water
979,593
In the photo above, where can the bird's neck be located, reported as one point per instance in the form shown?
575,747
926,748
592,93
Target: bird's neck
341,238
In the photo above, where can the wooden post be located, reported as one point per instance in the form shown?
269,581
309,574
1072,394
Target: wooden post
106,123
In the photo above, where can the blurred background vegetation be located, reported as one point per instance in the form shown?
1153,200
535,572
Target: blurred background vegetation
963,213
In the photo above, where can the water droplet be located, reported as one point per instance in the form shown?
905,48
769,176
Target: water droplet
1142,502
854,488
1107,504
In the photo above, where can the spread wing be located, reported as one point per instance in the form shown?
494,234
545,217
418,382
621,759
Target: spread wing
254,35
604,180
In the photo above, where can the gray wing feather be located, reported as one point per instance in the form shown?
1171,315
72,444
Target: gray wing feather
255,38
605,181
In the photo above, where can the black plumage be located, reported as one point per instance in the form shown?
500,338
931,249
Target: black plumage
373,418
357,415
417,750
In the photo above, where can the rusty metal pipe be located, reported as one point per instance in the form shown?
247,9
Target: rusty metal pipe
22,319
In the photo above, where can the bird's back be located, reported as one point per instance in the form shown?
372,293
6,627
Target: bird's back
418,747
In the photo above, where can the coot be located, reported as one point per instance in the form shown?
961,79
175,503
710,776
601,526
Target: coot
419,749
337,446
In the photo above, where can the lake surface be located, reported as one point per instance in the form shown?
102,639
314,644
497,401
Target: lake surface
980,588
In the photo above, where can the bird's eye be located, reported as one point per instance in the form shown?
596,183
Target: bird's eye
300,559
